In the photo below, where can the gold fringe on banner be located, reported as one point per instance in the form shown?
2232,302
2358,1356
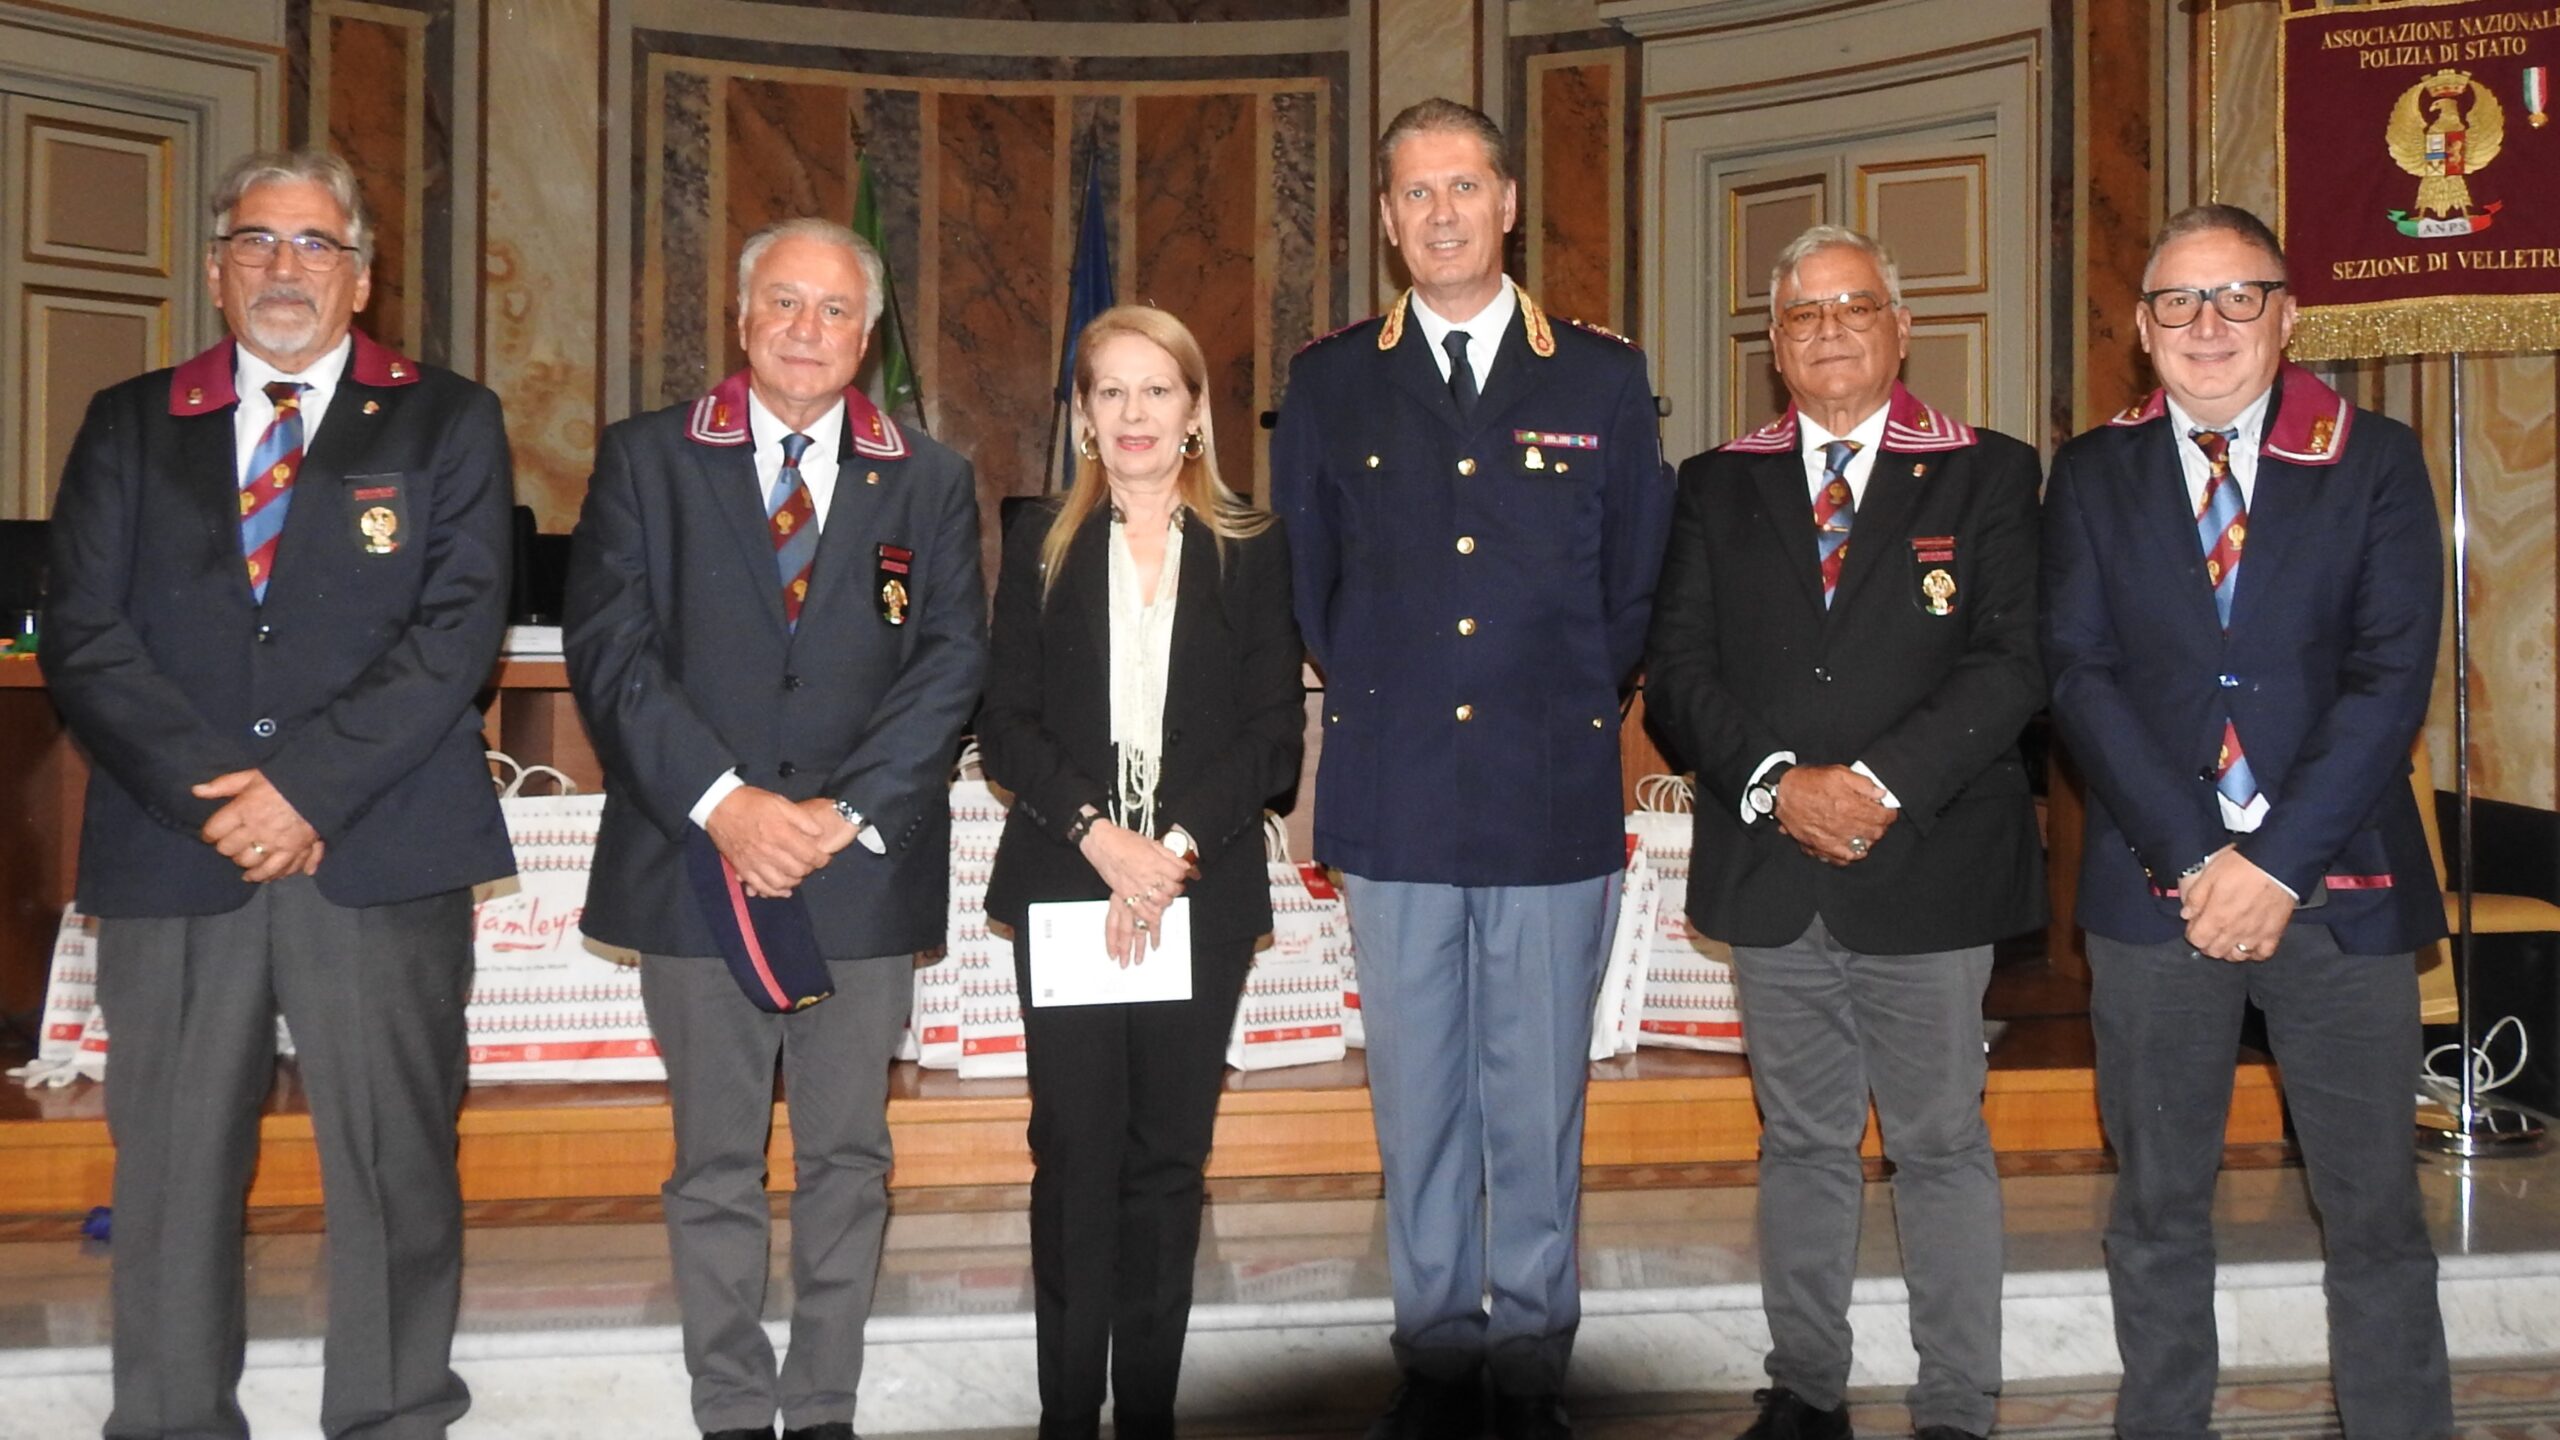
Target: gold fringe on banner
2387,328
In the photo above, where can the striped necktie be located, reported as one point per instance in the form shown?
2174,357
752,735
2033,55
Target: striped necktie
793,519
268,492
2222,528
1833,513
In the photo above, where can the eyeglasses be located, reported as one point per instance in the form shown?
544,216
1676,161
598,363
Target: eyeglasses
2239,302
257,249
1856,310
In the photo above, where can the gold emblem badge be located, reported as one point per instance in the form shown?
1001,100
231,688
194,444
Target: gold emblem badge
2323,430
893,602
1535,459
782,521
1940,587
381,526
2445,129
373,407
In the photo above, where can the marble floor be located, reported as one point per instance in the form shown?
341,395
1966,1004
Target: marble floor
563,1322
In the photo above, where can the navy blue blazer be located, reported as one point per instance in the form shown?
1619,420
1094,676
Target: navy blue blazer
2325,670
1476,592
1924,666
684,669
352,688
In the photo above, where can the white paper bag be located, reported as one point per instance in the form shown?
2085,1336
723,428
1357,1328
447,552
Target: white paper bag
545,1006
1689,998
1292,1009
966,1015
1617,1013
71,1036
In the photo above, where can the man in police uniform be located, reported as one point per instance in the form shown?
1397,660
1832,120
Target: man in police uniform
1476,507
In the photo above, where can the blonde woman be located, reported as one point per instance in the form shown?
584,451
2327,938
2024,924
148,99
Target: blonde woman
1144,705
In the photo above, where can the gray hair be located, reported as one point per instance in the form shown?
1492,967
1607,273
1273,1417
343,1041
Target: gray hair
875,276
1825,237
310,166
1448,116
2231,219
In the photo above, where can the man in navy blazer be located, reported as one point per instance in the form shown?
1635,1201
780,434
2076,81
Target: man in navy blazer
1476,503
2243,582
775,629
279,580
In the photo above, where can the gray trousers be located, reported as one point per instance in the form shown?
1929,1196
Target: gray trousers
1477,1005
2345,1032
720,1053
1828,1027
375,997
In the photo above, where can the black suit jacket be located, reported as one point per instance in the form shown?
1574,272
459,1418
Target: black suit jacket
1234,717
684,669
1744,660
352,687
2325,671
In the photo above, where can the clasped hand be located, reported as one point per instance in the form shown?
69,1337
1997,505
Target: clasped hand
258,829
1824,807
774,842
2234,910
1144,878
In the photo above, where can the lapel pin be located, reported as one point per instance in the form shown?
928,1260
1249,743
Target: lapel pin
373,407
870,477
1920,469
195,394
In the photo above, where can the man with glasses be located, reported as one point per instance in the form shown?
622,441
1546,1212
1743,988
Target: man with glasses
2242,589
279,578
1843,648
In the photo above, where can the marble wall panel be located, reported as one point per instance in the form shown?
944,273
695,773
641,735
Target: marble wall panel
2115,112
680,264
1181,12
788,151
542,252
369,117
1196,243
995,273
1574,203
1303,302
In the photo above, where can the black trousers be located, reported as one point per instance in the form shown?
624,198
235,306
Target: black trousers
2345,1032
1124,1099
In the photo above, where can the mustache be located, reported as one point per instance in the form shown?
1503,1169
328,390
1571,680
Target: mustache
286,292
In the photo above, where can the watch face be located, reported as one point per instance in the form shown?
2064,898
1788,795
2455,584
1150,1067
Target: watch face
1764,801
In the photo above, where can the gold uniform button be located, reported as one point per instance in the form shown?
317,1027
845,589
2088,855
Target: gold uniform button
1466,713
1467,466
1467,626
1373,462
1466,544
1595,722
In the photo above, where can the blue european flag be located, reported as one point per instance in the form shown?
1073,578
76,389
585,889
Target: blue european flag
1089,292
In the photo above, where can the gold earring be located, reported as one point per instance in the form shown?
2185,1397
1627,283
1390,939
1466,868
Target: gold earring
1086,448
1192,445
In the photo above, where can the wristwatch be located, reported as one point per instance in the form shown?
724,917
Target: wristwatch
851,816
1762,796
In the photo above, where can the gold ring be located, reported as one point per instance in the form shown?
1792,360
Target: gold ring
1144,926
1857,844
1129,900
2240,949
257,847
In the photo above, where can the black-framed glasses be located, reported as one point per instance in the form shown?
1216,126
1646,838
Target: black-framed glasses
257,249
1857,310
2239,302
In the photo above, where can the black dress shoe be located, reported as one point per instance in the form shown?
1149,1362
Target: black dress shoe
1944,1432
1430,1409
1530,1417
748,1432
823,1430
1784,1415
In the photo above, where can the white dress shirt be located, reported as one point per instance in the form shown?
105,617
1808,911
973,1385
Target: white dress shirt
255,412
1868,436
1484,332
2241,452
818,465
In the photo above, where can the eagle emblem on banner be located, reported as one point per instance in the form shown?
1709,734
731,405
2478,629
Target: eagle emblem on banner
2445,129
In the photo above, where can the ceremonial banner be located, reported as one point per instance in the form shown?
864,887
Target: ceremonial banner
2418,176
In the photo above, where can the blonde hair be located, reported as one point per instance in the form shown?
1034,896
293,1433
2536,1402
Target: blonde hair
1196,485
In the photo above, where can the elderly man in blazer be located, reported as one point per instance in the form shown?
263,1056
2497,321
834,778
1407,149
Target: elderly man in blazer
797,701
279,579
1844,649
2242,589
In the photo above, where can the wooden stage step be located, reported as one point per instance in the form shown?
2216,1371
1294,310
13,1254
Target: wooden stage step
551,1142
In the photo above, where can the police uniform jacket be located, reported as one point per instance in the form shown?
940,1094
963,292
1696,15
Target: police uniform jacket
1924,667
351,688
684,669
2324,673
1476,591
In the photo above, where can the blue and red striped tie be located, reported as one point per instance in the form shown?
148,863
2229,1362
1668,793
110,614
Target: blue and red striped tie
2222,528
268,492
1833,513
793,519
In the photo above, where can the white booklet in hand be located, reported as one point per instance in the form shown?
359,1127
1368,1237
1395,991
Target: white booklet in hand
1070,966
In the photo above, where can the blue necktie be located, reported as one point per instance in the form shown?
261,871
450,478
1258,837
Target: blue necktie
2222,528
268,492
1833,513
1462,376
793,518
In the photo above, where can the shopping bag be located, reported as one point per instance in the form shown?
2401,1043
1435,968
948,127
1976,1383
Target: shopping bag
1618,1011
1689,998
544,1005
70,999
975,1023
1291,1013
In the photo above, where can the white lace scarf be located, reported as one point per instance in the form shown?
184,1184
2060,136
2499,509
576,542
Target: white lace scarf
1141,654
